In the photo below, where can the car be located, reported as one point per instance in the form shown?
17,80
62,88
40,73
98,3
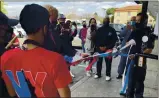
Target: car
117,27
99,25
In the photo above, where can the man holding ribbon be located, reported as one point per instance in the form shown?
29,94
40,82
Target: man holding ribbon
106,38
125,33
144,45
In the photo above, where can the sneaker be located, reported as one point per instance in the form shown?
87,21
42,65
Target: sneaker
96,77
119,77
73,76
89,73
107,78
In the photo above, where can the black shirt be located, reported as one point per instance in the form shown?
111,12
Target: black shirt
54,42
2,49
140,46
105,37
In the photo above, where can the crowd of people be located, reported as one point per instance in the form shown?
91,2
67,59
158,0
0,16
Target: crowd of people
49,39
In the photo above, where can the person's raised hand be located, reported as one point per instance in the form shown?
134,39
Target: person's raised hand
84,55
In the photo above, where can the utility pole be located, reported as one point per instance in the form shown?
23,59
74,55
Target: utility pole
144,8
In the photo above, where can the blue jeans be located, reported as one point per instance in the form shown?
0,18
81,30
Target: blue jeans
123,62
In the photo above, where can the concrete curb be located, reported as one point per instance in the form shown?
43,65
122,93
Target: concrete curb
79,83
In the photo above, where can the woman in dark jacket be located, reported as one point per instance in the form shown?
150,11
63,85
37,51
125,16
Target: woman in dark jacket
66,38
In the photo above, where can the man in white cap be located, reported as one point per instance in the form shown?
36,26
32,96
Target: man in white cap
61,20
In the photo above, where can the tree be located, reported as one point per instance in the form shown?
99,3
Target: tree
95,15
2,7
112,19
110,11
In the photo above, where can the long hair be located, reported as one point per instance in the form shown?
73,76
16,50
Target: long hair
74,24
91,20
93,29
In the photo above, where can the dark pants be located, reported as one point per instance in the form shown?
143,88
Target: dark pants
136,82
83,48
108,66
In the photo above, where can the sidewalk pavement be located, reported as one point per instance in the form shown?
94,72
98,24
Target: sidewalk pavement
90,87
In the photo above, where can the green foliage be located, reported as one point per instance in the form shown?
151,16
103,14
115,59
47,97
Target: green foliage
112,19
95,14
110,11
2,8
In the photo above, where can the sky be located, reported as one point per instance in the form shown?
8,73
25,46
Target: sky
14,8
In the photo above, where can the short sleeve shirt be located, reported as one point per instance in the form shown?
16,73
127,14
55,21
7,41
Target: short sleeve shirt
47,71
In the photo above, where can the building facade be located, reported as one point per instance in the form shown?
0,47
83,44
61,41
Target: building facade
124,14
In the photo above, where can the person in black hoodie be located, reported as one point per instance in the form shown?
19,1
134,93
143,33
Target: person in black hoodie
106,38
